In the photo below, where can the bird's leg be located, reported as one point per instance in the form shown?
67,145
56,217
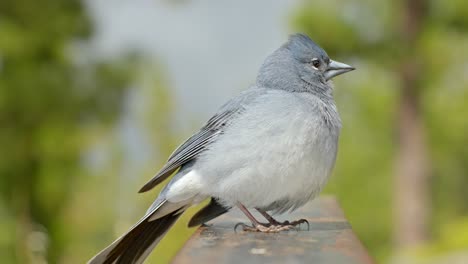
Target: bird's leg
256,225
268,217
283,224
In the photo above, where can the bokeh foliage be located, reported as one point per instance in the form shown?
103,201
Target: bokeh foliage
367,34
50,105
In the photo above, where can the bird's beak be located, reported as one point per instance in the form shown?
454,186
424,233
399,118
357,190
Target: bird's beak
336,68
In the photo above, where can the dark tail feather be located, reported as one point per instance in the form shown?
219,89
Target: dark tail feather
211,211
136,245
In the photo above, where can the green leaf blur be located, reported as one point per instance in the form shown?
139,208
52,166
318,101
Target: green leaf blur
50,108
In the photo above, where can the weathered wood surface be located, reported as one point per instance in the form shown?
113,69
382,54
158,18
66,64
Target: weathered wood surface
330,239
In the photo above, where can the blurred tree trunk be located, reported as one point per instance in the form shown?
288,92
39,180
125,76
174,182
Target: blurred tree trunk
411,179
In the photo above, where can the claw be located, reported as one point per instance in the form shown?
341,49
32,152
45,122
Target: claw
298,222
240,224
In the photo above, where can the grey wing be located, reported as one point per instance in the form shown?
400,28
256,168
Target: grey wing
197,143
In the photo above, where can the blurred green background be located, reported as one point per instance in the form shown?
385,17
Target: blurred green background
82,130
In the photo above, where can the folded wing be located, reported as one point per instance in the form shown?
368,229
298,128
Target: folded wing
197,143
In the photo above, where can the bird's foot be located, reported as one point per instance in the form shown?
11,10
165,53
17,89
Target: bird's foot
265,228
275,222
295,223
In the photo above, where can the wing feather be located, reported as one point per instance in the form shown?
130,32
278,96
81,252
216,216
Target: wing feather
193,146
198,143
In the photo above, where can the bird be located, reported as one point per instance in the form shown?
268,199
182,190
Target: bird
271,148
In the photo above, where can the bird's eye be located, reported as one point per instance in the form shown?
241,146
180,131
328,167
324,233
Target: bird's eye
316,63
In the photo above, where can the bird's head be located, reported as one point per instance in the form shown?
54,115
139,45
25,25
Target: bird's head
299,60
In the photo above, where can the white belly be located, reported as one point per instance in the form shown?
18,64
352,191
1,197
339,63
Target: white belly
270,158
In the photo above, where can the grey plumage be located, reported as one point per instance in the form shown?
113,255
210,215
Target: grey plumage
193,146
271,148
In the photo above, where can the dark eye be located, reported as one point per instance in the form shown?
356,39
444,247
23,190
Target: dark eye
316,63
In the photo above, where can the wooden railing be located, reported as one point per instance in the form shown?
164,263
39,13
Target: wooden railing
329,239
